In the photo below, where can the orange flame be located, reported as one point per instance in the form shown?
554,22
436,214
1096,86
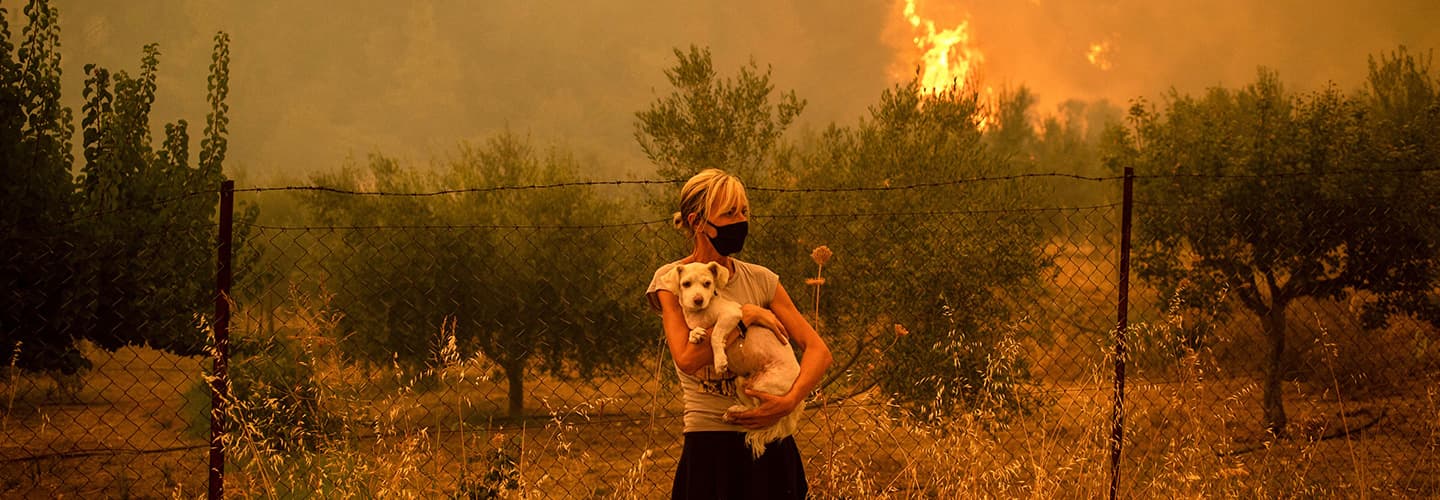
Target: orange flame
947,59
1099,55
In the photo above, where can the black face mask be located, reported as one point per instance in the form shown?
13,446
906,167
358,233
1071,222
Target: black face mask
729,238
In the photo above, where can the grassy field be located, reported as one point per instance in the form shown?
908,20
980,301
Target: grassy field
620,439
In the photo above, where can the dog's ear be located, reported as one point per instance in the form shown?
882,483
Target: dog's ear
722,275
671,281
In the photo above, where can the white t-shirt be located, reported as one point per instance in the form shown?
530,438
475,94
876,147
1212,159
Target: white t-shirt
708,395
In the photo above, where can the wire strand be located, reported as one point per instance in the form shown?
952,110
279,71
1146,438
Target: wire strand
767,189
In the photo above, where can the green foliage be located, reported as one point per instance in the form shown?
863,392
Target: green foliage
1267,241
123,255
1402,100
138,285
1011,131
943,275
504,265
35,196
216,142
714,122
1069,141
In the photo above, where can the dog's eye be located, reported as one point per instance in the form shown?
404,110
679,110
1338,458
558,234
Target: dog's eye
707,284
685,284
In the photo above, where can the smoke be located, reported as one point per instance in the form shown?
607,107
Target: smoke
315,86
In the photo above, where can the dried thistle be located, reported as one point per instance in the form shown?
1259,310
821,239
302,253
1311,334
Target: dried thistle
900,330
821,255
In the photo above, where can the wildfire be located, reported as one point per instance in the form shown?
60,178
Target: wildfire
1099,55
947,59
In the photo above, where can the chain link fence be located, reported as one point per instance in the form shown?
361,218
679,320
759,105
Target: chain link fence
104,356
404,353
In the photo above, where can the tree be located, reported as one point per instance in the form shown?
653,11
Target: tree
122,255
714,122
36,196
141,290
1066,142
525,276
919,293
1010,130
1402,100
1243,195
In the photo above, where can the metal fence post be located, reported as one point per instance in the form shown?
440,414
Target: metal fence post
1117,432
220,382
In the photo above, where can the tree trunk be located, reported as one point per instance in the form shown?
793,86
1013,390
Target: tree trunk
1274,403
515,374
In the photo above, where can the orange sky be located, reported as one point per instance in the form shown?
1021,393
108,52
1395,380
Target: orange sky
314,85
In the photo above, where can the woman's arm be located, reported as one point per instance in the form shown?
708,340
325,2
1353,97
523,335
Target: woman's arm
812,366
690,358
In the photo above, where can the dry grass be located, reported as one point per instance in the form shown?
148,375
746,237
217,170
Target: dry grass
1192,430
132,401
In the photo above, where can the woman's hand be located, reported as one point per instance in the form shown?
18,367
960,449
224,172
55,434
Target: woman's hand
753,315
772,408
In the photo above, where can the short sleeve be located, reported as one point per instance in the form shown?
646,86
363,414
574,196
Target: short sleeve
769,282
664,279
752,284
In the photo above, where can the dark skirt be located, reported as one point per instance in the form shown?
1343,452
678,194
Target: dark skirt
718,465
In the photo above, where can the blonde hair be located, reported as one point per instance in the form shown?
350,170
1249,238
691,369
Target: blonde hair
711,190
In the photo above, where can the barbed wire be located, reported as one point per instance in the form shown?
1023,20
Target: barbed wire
457,226
666,222
1284,174
947,212
769,189
443,192
1147,202
651,182
838,189
926,185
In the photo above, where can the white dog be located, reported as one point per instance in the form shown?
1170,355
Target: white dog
760,362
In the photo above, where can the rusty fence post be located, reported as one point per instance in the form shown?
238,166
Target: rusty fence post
1117,431
220,382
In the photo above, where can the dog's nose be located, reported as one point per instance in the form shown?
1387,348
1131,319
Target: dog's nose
699,300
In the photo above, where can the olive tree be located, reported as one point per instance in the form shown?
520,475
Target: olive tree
529,278
1255,192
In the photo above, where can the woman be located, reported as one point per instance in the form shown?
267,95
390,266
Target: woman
716,463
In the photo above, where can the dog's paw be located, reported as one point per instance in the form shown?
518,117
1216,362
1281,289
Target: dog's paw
697,335
721,365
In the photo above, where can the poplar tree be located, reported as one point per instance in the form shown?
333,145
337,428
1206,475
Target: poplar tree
36,195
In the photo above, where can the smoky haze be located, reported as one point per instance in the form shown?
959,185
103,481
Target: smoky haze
314,86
